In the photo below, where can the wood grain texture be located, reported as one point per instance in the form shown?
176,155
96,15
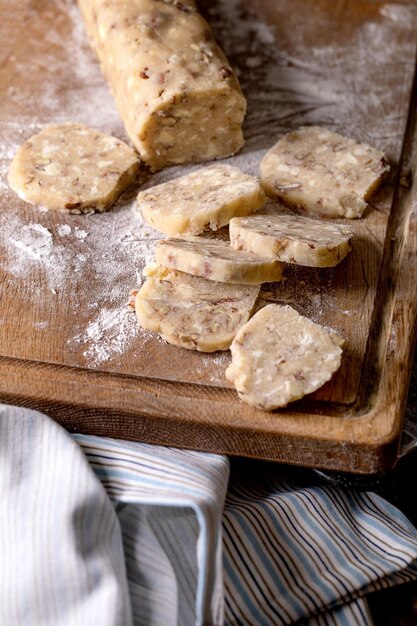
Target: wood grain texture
345,65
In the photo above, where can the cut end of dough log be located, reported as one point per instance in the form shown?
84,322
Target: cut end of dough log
280,356
199,127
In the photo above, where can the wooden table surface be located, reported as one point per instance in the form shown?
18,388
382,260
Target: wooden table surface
68,345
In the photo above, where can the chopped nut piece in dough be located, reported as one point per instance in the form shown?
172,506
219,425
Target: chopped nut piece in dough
176,93
192,312
216,260
207,198
322,172
72,168
280,356
291,239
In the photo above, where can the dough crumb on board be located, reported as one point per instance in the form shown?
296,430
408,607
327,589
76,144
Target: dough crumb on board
192,312
280,356
214,259
175,91
202,200
73,168
291,239
322,173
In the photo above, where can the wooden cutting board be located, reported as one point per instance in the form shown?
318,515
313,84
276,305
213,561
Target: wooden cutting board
68,344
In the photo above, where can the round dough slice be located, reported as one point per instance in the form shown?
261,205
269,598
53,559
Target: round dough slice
202,200
192,312
291,239
72,168
280,356
322,173
216,260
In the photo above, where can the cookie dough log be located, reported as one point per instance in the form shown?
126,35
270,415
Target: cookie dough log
192,312
291,239
175,90
73,168
279,356
207,198
216,260
322,173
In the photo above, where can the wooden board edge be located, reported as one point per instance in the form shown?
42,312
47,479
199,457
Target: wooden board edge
387,369
150,413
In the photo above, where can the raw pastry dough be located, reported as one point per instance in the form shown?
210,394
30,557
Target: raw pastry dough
216,260
322,172
291,238
279,356
207,198
192,312
176,93
69,167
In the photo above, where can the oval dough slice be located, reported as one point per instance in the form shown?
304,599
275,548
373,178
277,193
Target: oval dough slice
216,260
291,239
207,198
192,312
323,173
280,356
72,168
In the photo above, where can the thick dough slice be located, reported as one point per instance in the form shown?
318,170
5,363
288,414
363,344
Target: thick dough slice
207,198
72,168
176,93
279,356
216,260
291,239
193,312
322,172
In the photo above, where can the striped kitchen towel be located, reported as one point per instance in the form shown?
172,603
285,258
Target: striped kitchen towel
297,550
170,505
156,536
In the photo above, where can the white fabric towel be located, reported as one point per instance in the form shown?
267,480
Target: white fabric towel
61,555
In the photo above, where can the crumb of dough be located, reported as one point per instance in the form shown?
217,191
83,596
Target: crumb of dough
192,312
291,239
215,259
205,199
280,356
322,173
73,168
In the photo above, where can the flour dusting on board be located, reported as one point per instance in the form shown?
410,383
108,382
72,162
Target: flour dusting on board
108,334
103,255
34,240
